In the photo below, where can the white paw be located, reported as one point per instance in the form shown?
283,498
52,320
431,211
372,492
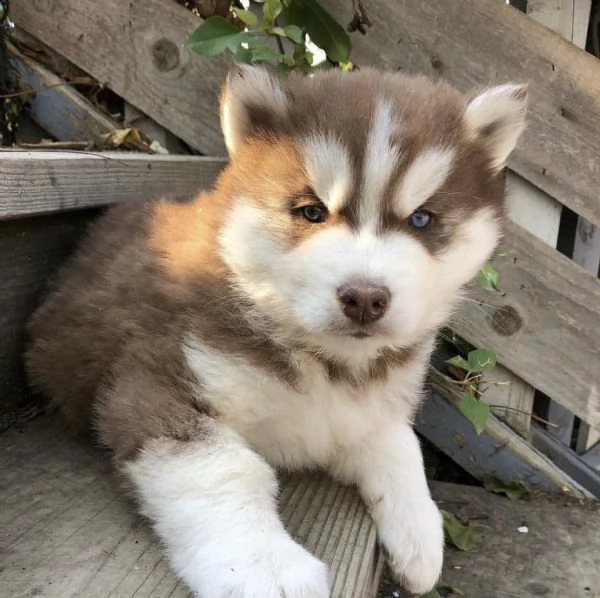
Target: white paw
416,548
277,569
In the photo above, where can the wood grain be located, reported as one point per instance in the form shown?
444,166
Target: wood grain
560,150
544,323
84,538
56,107
137,49
31,250
45,182
498,449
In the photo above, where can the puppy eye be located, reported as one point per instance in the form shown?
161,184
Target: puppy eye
314,214
420,219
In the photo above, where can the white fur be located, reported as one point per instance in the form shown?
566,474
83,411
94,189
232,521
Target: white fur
388,469
213,504
362,436
298,287
249,86
427,173
328,167
381,158
503,108
311,424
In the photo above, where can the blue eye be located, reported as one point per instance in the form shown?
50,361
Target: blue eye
419,219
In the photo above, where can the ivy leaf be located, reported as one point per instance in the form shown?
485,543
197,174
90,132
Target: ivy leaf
459,362
487,278
480,360
245,16
477,412
514,489
322,28
457,533
216,35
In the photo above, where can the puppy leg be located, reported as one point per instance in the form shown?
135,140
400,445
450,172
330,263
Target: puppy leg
212,501
390,475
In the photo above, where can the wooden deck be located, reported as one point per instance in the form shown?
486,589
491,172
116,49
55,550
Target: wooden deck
65,530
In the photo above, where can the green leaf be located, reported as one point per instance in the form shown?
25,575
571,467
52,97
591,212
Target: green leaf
294,33
433,594
459,362
514,489
216,35
457,533
245,16
271,10
475,411
480,360
322,28
487,278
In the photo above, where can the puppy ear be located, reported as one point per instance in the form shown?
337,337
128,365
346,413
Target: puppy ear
497,116
251,100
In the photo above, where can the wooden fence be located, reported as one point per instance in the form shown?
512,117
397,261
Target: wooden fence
544,324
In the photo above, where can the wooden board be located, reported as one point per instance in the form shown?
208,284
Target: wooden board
498,449
544,323
66,530
560,149
137,49
30,251
56,107
45,182
556,558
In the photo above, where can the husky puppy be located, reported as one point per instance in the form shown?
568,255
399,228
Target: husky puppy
284,318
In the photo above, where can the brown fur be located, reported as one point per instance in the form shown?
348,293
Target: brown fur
108,337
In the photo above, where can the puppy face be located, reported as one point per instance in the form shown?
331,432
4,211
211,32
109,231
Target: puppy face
361,203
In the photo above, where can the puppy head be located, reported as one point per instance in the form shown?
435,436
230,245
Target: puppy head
361,202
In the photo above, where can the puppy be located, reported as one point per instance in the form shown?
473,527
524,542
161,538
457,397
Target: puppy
284,319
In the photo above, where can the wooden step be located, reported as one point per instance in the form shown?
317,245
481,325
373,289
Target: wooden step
65,530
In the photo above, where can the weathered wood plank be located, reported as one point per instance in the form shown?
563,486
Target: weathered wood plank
44,182
568,18
58,108
84,539
496,43
30,251
136,49
544,323
498,449
556,558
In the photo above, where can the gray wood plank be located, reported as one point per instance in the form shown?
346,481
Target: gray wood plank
498,449
45,182
137,49
30,251
557,557
544,323
56,107
85,539
497,43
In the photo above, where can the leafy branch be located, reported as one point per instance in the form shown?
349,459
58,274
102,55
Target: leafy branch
287,33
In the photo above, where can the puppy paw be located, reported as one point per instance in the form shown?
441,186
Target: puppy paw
416,549
279,569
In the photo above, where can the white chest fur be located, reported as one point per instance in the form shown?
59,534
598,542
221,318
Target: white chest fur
303,427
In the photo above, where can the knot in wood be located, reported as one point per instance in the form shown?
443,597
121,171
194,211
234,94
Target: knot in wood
506,320
165,55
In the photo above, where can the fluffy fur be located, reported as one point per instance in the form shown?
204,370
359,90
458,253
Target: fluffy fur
206,341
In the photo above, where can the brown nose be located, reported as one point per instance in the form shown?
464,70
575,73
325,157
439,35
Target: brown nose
363,303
